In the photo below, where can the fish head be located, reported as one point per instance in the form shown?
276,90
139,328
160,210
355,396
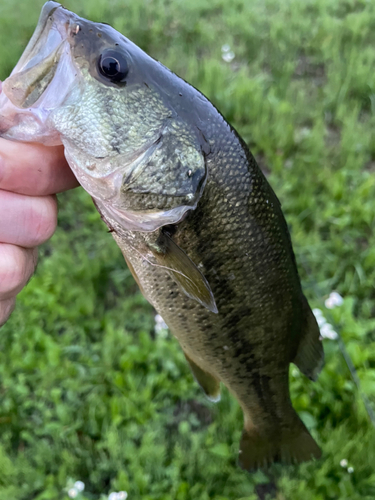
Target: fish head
116,111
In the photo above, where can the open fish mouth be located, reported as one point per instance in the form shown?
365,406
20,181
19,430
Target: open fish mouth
26,87
42,78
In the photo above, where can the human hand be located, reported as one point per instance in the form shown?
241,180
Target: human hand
30,175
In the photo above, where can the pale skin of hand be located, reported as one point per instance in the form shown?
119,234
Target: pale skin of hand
30,177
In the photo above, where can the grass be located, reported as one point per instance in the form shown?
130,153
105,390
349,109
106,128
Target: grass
87,390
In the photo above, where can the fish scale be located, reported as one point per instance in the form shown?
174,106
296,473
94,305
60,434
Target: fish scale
249,344
200,227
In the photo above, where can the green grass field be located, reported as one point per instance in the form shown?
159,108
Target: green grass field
88,391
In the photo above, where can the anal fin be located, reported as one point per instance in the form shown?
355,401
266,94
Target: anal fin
209,383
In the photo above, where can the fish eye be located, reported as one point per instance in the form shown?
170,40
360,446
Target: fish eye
113,66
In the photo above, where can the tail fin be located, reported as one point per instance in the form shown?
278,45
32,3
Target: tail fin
293,445
310,354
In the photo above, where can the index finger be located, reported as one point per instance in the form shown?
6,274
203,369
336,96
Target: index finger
34,169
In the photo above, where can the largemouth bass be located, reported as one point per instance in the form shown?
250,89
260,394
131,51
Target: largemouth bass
198,224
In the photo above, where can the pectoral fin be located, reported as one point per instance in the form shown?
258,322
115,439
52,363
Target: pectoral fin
184,272
208,382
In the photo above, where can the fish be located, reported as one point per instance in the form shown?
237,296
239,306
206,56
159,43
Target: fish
199,226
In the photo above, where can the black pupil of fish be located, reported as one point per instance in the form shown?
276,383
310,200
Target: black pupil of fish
113,67
110,66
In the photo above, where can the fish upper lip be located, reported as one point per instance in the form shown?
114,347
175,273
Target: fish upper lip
55,25
40,45
38,63
41,79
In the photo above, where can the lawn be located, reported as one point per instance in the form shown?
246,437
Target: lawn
89,390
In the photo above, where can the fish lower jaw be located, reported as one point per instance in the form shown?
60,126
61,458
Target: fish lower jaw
25,125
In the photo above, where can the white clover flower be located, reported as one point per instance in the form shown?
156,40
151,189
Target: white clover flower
228,56
350,470
334,300
320,319
226,53
327,332
79,486
161,328
73,492
344,463
318,313
120,495
326,329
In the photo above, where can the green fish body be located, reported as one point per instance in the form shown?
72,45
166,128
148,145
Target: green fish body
200,227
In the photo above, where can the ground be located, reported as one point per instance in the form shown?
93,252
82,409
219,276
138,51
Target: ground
88,391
